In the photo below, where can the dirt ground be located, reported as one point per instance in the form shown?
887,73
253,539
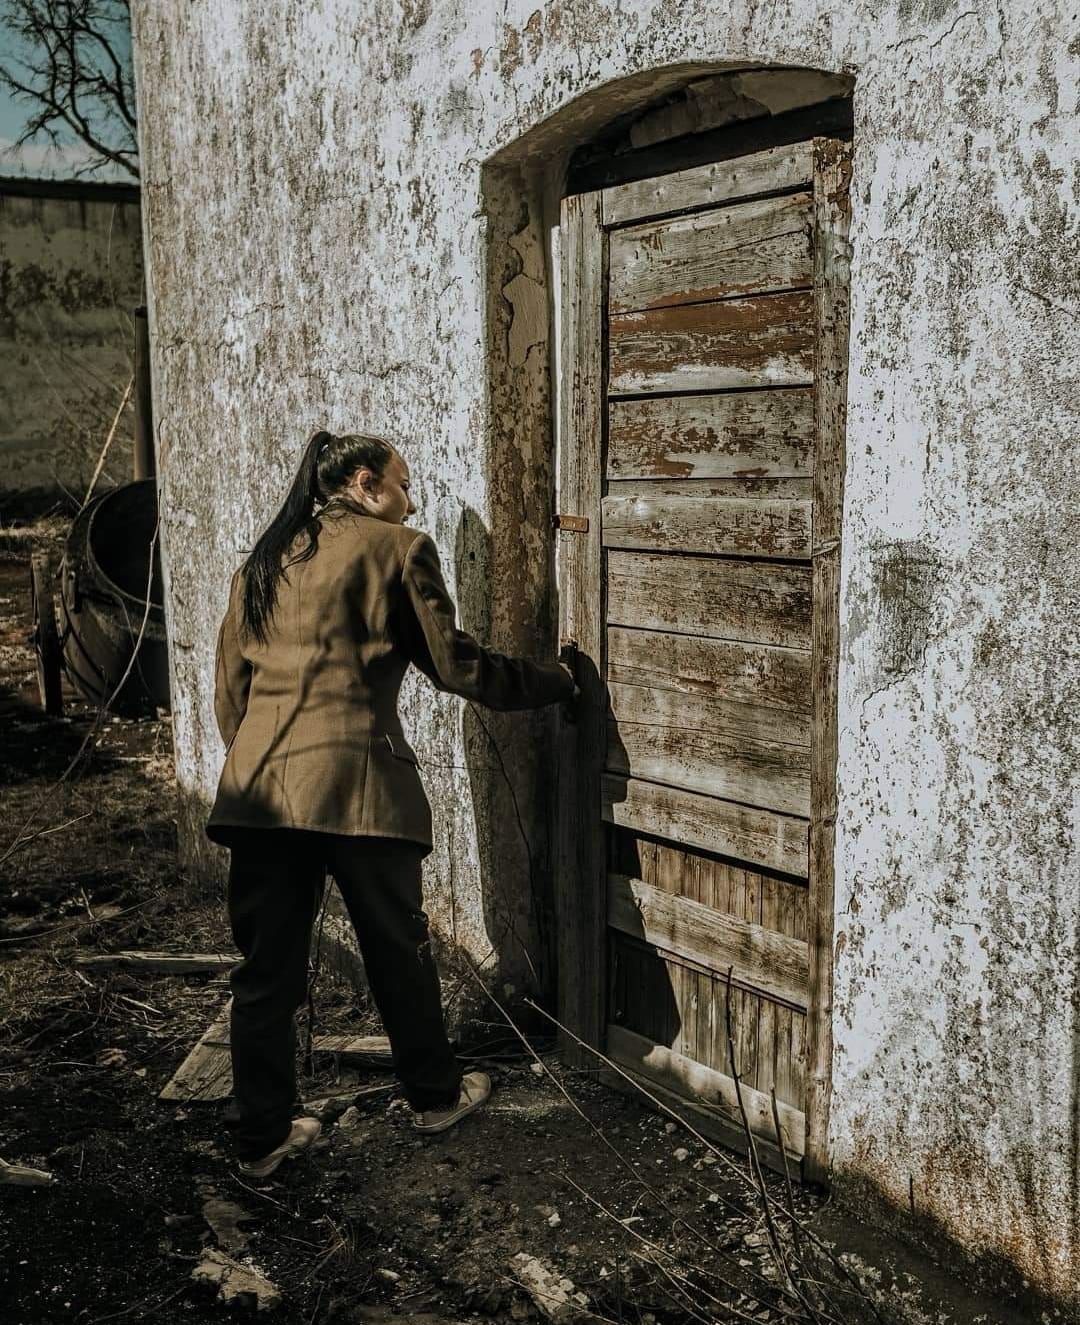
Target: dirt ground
562,1200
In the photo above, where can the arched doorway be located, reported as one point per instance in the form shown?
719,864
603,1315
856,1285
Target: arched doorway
700,370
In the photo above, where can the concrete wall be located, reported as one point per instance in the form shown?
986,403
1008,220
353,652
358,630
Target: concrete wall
364,247
70,279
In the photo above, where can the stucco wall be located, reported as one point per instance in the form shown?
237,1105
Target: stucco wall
327,246
70,280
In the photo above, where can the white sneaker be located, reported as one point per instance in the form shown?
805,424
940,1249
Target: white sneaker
301,1135
475,1089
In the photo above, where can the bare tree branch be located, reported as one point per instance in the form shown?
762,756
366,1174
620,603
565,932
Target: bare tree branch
72,76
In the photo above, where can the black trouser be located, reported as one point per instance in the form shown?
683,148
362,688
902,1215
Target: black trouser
275,884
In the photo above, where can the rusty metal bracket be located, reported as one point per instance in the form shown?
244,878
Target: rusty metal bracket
575,524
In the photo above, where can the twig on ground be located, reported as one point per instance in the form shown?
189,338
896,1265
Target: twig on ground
677,1219
775,1243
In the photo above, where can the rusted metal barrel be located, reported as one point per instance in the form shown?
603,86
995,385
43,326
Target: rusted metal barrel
111,593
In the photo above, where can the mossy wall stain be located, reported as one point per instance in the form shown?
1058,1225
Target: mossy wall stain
70,280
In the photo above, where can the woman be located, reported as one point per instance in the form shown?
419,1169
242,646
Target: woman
337,598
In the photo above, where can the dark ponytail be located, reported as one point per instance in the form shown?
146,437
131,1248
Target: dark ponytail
328,464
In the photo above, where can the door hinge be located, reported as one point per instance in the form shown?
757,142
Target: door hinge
576,524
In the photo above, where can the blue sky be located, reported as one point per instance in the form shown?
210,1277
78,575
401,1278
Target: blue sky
38,159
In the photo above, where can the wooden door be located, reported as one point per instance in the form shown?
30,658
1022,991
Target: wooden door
704,349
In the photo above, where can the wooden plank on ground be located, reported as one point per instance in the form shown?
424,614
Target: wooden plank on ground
206,1073
365,1050
734,768
746,248
762,837
776,170
164,963
746,675
683,1076
736,435
742,528
770,962
753,342
750,601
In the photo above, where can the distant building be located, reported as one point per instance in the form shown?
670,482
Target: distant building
70,279
601,251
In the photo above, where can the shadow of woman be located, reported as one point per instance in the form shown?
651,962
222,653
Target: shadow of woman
512,761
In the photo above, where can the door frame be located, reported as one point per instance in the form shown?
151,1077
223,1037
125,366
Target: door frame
579,855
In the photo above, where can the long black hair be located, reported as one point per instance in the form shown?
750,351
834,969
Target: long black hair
329,463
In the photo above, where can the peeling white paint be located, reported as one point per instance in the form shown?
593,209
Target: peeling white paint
326,247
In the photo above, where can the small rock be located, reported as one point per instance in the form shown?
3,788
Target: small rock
351,1119
537,1069
225,1218
550,1292
388,1276
708,1158
669,1128
327,1108
554,1219
682,1154
244,1285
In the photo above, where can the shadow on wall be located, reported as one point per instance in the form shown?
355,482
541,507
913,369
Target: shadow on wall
512,761
510,758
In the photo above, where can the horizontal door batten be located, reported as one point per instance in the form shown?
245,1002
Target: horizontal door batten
759,837
761,959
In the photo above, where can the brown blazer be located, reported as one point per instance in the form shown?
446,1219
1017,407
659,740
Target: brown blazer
310,720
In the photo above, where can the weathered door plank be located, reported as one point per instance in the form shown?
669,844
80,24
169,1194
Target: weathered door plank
755,675
581,866
696,711
753,342
734,768
754,602
776,170
832,210
737,435
746,248
745,528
